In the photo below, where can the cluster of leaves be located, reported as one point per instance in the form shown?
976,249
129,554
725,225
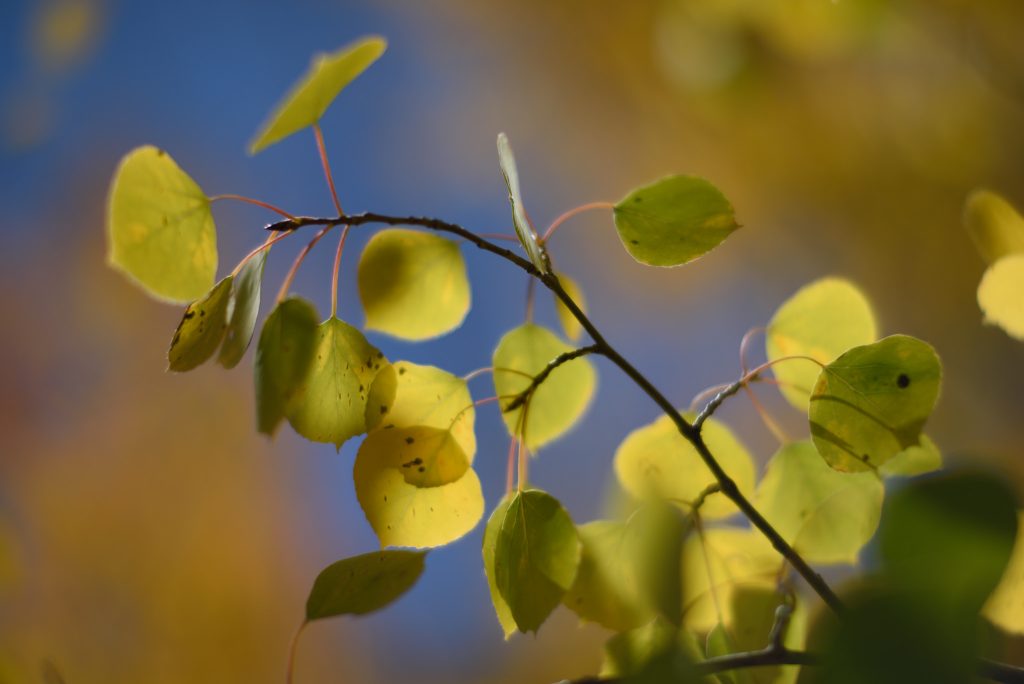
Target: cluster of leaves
670,577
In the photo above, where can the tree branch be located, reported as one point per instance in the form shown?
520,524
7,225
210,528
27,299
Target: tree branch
733,661
690,432
538,379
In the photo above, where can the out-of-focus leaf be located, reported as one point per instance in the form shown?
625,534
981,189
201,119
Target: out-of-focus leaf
560,400
654,538
413,284
822,320
754,614
243,310
605,590
674,220
283,355
329,405
363,584
826,515
201,329
656,652
1005,607
524,229
1001,295
536,556
570,326
872,402
490,543
656,461
160,231
995,226
914,460
313,94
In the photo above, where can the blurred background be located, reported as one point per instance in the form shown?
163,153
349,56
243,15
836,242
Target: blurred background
147,534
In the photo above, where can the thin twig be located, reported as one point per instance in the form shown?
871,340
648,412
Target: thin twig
539,378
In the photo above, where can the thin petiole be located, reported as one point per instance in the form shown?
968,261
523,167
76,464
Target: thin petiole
256,202
327,166
748,337
337,266
573,212
271,239
477,373
287,284
531,290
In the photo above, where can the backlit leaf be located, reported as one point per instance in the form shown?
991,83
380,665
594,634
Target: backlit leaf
363,584
201,329
914,460
243,310
654,653
570,326
283,355
159,228
490,543
826,515
524,229
822,320
656,461
1005,607
413,284
559,401
718,562
536,555
995,226
425,456
754,614
1001,295
312,95
872,402
329,404
654,538
604,590
673,220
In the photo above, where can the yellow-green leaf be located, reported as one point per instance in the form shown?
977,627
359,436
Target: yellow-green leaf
560,400
674,220
406,395
872,402
656,461
413,284
490,543
521,222
1001,295
995,226
283,355
654,537
570,326
363,584
1005,607
914,460
313,94
754,611
243,309
536,555
821,321
201,329
330,403
605,590
826,515
718,562
160,231
425,456
654,653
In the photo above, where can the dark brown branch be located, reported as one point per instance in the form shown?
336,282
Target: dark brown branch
538,379
726,663
687,430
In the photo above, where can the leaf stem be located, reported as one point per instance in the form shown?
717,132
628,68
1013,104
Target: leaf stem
511,468
287,284
256,202
292,649
573,212
540,377
327,165
266,245
337,266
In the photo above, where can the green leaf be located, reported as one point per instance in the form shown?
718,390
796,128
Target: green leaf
754,610
656,461
313,94
413,284
653,542
407,398
329,405
524,229
673,220
1001,295
826,515
560,400
821,321
872,402
160,231
536,555
963,523
570,326
605,590
716,563
914,460
243,310
1005,607
363,584
654,653
408,395
995,226
283,355
490,544
201,329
